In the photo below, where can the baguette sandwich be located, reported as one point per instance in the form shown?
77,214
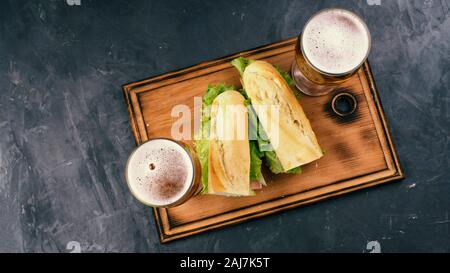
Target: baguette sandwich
229,149
231,163
266,85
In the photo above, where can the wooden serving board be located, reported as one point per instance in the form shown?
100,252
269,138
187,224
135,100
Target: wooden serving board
359,152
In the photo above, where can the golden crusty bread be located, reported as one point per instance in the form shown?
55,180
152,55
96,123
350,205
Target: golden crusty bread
229,150
293,139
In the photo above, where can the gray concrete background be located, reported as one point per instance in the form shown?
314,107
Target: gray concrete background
65,135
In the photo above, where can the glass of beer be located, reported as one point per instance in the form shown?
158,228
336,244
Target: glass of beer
163,173
331,48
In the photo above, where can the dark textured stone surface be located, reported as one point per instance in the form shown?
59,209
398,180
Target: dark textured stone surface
65,136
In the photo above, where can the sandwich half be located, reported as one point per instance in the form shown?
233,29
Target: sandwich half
272,98
229,149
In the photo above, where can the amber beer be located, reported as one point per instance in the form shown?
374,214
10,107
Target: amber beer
163,173
331,48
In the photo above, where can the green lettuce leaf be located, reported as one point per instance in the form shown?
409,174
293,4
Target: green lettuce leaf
213,91
241,63
202,149
286,76
255,154
255,161
275,166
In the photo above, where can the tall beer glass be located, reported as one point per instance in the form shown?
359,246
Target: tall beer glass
331,48
163,173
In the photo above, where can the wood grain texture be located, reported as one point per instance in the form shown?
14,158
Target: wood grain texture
359,149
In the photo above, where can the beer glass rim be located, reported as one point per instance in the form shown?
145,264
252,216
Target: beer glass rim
191,182
300,40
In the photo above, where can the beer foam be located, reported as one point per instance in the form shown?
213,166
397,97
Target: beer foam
336,41
160,172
